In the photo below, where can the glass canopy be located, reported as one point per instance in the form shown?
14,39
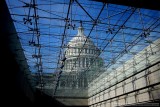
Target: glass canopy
45,27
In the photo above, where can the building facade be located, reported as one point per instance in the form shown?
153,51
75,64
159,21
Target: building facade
136,81
81,56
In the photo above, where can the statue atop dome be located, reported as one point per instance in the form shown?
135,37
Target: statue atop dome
80,29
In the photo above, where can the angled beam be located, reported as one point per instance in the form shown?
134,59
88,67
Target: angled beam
63,37
84,10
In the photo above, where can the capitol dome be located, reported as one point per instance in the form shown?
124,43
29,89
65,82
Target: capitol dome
80,39
81,53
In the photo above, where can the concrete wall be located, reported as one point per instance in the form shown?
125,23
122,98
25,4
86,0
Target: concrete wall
16,79
113,89
73,101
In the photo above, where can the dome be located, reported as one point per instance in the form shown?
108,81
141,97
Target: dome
81,53
80,39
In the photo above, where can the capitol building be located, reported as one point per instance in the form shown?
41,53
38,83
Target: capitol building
81,54
83,79
82,59
113,60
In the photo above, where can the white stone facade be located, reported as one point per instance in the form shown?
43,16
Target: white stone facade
81,54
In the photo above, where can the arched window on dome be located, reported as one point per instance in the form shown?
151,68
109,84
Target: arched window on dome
78,62
74,64
91,61
70,51
83,61
85,50
78,50
71,64
92,51
87,62
89,51
74,50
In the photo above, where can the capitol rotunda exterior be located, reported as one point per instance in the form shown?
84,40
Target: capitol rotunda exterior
81,54
82,59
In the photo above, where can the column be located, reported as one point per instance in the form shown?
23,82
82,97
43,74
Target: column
84,62
89,63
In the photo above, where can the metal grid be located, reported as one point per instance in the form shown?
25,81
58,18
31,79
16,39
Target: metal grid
46,26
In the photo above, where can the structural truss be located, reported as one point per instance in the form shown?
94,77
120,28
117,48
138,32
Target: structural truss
45,27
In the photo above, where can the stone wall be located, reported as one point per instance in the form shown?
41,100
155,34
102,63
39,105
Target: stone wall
137,80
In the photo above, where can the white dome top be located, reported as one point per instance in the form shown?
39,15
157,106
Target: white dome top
80,39
81,44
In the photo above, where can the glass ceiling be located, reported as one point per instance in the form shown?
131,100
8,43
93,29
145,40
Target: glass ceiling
46,26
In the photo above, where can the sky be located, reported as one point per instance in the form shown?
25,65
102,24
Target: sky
118,28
